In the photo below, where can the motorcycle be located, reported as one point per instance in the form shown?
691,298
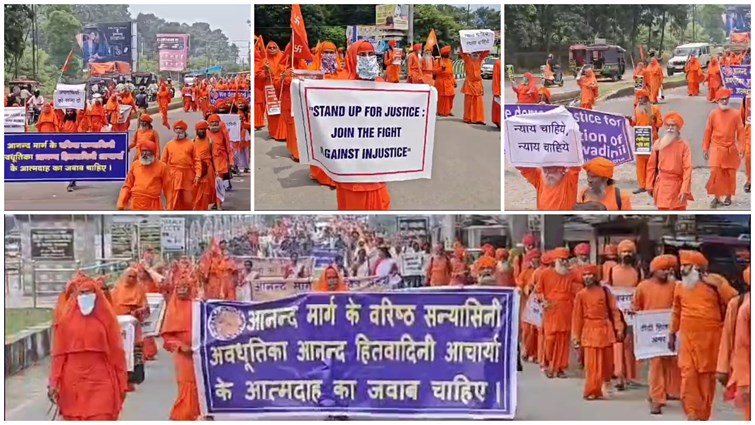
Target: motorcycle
556,79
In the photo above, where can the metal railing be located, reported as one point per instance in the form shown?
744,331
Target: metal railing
108,268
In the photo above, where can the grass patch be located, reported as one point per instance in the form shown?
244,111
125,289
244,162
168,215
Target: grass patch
18,319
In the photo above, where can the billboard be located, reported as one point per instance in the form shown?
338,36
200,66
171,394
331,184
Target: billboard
106,43
173,50
370,33
392,16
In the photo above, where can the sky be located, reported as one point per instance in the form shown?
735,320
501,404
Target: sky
231,19
477,6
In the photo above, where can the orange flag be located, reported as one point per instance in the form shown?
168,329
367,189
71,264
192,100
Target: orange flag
299,42
432,40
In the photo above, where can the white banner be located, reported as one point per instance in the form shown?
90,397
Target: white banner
533,312
70,96
15,119
152,325
173,233
543,139
413,264
233,123
476,40
362,131
276,266
651,330
128,333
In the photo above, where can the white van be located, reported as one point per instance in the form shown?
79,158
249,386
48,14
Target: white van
681,54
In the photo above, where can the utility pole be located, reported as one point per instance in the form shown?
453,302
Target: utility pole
468,7
410,33
694,35
34,42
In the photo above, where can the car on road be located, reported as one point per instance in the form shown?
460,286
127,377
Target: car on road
682,53
486,70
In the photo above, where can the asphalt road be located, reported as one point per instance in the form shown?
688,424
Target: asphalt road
466,171
103,196
570,85
538,398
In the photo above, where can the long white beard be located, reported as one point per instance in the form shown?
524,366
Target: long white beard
552,179
147,161
690,280
562,269
666,140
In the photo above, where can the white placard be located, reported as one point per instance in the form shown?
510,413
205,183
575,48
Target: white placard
476,40
15,119
362,131
70,96
128,333
533,312
152,325
125,111
624,298
543,139
413,264
173,233
651,330
233,124
397,56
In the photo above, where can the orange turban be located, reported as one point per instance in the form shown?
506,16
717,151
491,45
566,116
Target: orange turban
180,124
531,255
642,93
547,258
213,118
695,258
675,118
746,276
417,47
723,94
445,50
560,253
486,262
327,45
145,118
582,249
610,249
201,125
601,167
627,245
392,43
148,146
365,47
662,262
501,254
589,269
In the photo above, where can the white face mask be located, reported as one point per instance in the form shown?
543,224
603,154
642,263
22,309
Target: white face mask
86,303
367,67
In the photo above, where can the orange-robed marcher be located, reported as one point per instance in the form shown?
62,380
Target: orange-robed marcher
504,272
726,348
555,288
556,186
414,66
392,60
439,269
259,86
130,299
362,196
473,90
218,271
203,97
525,282
527,91
88,378
496,110
97,117
187,95
669,168
69,124
145,280
146,182
445,82
625,274
657,293
695,75
144,133
47,121
610,254
288,119
428,67
459,267
176,333
182,161
653,75
222,155
697,320
722,144
276,125
596,324
740,363
645,114
546,263
588,86
746,114
330,281
163,100
204,174
330,64
601,169
713,79
264,76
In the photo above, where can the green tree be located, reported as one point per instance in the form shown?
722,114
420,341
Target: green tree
61,29
17,23
102,13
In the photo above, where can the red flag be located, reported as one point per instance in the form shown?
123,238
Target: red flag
299,42
68,59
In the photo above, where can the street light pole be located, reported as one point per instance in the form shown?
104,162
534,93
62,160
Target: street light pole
410,34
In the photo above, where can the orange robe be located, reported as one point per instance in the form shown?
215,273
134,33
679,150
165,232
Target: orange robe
561,197
69,127
527,93
695,75
182,162
723,140
88,362
459,269
664,377
445,83
625,364
222,156
414,69
496,110
605,270
655,120
220,283
697,319
186,94
673,176
595,322
176,333
47,122
277,126
609,199
741,358
204,192
473,90
393,72
540,333
524,282
144,187
439,271
558,292
150,346
653,76
163,100
131,300
713,78
588,87
97,118
291,142
141,136
203,98
746,114
726,346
